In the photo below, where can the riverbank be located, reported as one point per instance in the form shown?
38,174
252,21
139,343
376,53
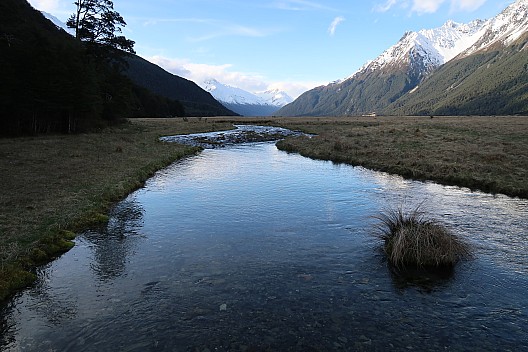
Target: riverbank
481,153
54,186
249,236
57,185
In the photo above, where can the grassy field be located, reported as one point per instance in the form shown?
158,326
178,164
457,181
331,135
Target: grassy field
484,153
56,185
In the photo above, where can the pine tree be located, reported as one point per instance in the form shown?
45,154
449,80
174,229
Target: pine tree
97,24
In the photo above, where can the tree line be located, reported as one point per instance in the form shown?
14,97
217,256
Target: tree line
53,82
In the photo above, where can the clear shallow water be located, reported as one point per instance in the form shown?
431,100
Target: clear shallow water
248,249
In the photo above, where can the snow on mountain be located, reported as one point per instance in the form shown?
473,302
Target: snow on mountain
275,97
434,46
229,94
233,95
503,29
403,67
437,46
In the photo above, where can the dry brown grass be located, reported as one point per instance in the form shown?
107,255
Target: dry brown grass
56,183
66,182
485,153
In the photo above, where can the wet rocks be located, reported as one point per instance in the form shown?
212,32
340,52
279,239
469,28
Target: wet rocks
242,134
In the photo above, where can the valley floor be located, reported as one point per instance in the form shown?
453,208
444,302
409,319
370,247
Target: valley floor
56,185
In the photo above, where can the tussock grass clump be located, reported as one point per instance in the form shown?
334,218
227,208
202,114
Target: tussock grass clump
412,239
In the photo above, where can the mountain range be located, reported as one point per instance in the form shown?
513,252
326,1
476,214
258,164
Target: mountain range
245,103
474,68
195,100
236,100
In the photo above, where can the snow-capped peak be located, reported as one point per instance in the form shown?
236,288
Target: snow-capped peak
503,29
435,47
452,38
275,97
233,95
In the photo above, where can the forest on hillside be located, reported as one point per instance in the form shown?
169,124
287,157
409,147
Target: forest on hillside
52,82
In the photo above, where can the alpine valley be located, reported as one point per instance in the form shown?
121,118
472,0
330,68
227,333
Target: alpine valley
196,102
144,74
478,68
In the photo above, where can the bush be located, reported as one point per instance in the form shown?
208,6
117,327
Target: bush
412,239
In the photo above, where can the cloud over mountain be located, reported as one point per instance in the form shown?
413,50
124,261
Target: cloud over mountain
225,73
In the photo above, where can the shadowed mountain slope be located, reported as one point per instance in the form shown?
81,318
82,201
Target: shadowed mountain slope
197,102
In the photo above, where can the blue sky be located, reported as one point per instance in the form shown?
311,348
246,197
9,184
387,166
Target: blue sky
294,45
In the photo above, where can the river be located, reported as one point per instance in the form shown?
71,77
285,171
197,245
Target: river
248,248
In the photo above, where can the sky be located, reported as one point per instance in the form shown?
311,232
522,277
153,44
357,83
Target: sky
293,45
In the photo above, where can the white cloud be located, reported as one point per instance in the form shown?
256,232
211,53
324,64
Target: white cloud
216,28
45,5
426,6
334,24
299,5
386,6
233,30
430,6
466,5
251,82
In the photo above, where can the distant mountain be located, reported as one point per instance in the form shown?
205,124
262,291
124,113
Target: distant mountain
197,102
275,97
488,78
147,75
490,82
389,83
246,103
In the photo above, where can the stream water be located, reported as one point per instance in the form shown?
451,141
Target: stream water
248,248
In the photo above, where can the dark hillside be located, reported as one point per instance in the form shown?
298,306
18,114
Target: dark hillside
356,96
370,90
197,102
38,62
491,82
51,84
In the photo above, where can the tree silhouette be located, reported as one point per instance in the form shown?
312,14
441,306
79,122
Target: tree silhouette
96,23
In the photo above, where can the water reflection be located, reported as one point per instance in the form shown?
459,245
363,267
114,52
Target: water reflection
426,279
113,245
249,248
7,327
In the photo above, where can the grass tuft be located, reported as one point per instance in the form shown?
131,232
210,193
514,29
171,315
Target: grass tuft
412,239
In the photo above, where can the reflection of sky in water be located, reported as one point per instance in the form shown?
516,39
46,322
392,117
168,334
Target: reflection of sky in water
389,182
495,224
283,242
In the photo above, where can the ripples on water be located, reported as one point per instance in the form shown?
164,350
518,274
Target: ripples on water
249,248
